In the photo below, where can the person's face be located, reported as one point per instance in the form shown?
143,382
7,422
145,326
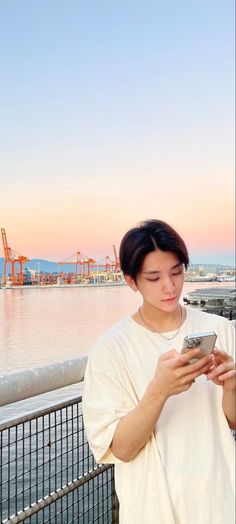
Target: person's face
160,280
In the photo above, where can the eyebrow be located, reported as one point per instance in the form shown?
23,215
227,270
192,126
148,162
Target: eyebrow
155,271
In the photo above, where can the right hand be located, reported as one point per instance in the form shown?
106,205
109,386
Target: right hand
174,374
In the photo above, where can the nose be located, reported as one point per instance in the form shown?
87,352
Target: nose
168,285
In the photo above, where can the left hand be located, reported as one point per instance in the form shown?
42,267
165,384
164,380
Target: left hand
224,372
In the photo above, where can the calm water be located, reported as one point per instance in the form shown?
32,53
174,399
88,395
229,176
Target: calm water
39,326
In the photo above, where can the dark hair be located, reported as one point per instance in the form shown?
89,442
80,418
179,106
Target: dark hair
149,236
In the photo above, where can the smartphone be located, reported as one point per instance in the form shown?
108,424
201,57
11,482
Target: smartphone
204,341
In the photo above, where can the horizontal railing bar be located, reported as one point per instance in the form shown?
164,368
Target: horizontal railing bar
28,383
33,415
53,497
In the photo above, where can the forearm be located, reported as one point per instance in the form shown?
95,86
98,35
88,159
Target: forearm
134,430
173,376
229,407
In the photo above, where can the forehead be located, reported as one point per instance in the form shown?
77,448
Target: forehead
159,261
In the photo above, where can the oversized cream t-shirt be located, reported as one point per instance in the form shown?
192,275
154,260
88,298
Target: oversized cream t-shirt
185,472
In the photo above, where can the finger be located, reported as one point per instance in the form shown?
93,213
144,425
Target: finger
217,359
228,374
222,368
201,363
211,367
184,358
196,374
222,354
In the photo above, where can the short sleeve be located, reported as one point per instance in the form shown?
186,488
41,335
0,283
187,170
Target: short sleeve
107,397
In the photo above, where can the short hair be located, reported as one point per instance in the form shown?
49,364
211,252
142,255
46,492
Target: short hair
146,237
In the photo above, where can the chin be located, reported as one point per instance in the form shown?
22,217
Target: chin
169,306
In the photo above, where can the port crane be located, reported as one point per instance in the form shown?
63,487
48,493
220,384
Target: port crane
81,262
77,262
117,260
12,258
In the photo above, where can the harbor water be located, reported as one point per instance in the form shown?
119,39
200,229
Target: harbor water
40,326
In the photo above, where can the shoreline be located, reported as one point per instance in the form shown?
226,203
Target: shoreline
59,286
217,283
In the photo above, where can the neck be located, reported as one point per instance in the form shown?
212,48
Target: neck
161,321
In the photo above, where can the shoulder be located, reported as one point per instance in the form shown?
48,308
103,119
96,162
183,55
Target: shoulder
201,321
111,345
115,334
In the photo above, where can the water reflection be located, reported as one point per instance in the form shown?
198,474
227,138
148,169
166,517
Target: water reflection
39,326
45,325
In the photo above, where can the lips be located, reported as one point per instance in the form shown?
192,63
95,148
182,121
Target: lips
169,299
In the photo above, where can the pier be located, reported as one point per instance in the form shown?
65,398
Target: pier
221,301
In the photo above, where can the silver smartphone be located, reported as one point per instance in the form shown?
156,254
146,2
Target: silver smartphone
204,341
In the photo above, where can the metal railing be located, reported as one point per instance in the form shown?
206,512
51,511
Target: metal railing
48,473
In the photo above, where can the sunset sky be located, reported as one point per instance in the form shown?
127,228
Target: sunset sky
113,112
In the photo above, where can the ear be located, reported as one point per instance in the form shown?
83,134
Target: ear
131,282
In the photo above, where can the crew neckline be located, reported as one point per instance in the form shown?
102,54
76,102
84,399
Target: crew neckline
163,333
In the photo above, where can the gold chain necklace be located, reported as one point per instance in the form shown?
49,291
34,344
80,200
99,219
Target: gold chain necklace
155,330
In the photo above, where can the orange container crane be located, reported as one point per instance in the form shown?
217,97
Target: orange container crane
11,258
117,261
88,262
77,261
82,261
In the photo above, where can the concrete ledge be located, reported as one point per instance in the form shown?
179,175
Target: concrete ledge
31,382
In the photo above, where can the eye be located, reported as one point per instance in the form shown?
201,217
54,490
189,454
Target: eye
179,272
153,279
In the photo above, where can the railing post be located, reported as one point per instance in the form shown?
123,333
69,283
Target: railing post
115,502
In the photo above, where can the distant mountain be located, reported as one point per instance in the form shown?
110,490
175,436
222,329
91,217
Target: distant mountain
42,265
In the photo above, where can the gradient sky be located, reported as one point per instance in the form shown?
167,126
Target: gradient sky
113,112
